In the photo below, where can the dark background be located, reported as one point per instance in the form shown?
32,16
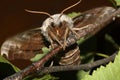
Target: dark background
14,19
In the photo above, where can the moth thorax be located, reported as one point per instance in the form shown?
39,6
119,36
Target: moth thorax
55,20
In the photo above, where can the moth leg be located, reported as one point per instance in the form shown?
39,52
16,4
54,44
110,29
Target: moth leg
51,64
77,29
54,38
51,42
73,31
65,37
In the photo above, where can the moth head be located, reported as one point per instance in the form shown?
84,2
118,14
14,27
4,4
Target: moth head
56,28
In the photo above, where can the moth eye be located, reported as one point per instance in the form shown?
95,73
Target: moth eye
52,24
60,25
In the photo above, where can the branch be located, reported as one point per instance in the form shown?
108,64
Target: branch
33,67
85,67
96,26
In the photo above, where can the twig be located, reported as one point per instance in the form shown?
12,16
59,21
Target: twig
87,66
33,67
92,29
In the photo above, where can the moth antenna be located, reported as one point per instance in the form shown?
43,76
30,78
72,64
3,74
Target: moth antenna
39,12
70,7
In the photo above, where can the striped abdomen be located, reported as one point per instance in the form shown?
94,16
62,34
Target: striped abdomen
71,57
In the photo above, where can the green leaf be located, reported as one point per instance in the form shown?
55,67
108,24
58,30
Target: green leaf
47,77
81,74
111,40
45,50
3,60
87,59
102,55
73,14
39,56
110,72
117,2
113,2
44,77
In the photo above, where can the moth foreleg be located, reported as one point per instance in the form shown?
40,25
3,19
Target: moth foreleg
54,38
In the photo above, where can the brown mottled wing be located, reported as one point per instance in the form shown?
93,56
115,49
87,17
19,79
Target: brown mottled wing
92,16
24,45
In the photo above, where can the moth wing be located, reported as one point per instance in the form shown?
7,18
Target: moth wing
24,45
92,16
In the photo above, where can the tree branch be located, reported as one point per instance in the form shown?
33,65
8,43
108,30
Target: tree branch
87,66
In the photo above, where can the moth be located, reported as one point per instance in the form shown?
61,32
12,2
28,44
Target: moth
55,30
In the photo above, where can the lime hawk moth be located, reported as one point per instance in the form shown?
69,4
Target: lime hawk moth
55,30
